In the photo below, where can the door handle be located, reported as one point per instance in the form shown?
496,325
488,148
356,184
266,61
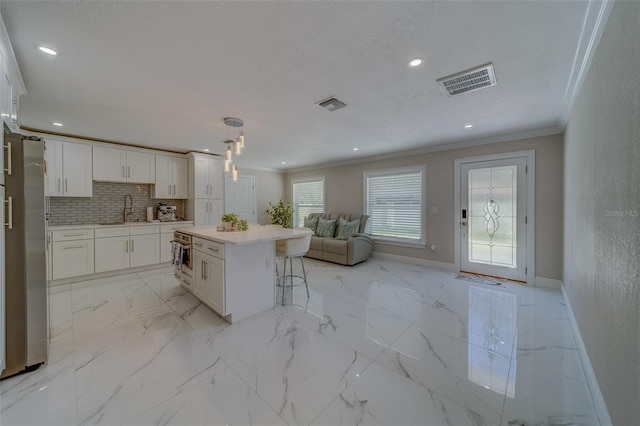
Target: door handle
463,223
8,169
9,203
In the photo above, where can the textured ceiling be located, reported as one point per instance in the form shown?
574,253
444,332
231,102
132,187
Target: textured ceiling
165,74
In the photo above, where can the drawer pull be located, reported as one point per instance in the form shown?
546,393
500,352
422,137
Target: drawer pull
73,235
9,203
72,247
213,249
8,169
197,244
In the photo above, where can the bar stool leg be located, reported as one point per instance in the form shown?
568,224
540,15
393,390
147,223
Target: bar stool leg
284,278
304,273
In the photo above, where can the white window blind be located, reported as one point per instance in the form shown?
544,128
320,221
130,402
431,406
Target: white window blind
395,202
308,197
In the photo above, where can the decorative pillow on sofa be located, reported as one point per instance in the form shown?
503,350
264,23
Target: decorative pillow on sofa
347,229
311,223
326,227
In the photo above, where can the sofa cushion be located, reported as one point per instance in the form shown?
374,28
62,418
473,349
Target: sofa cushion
347,229
326,227
311,223
316,243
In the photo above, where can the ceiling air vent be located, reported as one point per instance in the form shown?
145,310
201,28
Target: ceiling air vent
467,81
332,104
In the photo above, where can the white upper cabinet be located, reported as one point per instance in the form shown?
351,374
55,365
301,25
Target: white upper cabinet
121,165
12,83
69,169
171,177
206,176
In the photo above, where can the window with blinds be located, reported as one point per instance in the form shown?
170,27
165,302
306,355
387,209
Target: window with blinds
395,200
308,197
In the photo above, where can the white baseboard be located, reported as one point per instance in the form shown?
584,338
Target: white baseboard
548,283
598,400
415,261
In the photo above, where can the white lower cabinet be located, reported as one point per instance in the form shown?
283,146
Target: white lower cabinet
72,258
145,250
123,251
209,277
112,253
74,252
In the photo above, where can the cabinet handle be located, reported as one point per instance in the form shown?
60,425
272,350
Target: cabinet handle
186,282
197,244
8,169
131,246
9,203
204,270
213,249
73,235
72,247
174,190
128,171
169,189
59,187
66,185
123,171
126,246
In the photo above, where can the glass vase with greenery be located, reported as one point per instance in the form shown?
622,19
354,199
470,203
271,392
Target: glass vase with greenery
281,214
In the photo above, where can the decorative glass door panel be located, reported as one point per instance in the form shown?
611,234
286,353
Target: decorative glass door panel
493,218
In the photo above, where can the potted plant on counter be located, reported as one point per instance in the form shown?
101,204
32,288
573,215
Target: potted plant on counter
281,214
232,222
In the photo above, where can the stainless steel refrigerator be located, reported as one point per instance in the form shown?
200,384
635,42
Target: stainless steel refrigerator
26,337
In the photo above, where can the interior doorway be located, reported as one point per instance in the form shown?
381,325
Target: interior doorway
240,197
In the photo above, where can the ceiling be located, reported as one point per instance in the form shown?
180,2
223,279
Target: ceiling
165,74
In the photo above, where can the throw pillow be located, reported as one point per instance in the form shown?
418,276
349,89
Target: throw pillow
347,229
311,223
326,227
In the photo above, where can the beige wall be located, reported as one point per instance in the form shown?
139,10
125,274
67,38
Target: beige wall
602,229
344,193
270,186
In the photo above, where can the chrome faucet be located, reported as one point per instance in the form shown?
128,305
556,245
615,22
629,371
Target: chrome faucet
127,211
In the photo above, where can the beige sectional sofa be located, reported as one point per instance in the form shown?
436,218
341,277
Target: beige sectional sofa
349,251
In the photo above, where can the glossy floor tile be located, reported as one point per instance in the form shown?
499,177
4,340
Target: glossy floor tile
380,343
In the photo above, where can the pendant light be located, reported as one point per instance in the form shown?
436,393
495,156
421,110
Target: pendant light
238,144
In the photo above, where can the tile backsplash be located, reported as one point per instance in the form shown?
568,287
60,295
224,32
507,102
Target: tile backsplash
106,205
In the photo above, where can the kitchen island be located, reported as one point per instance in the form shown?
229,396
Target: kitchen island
234,272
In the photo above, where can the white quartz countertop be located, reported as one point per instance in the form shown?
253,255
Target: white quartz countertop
255,233
95,225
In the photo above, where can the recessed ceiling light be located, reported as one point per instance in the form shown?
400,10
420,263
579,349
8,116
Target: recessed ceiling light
283,162
47,50
355,149
55,123
468,126
206,150
415,62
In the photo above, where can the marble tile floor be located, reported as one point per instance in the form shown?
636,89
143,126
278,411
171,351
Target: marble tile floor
380,343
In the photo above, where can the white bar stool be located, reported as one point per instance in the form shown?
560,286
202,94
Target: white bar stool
289,249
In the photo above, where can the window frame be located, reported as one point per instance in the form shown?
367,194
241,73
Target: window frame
399,241
307,179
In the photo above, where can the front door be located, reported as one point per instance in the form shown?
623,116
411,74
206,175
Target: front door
493,232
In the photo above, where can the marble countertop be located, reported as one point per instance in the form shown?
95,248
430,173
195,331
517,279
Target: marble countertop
255,233
96,225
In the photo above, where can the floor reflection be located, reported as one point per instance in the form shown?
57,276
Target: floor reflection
492,330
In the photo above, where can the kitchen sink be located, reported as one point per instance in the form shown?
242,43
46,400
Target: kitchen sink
111,223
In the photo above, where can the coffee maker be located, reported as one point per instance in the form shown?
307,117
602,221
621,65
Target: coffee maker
167,213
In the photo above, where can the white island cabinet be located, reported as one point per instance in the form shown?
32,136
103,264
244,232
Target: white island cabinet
234,272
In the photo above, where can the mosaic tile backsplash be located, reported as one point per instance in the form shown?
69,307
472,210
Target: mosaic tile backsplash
106,205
